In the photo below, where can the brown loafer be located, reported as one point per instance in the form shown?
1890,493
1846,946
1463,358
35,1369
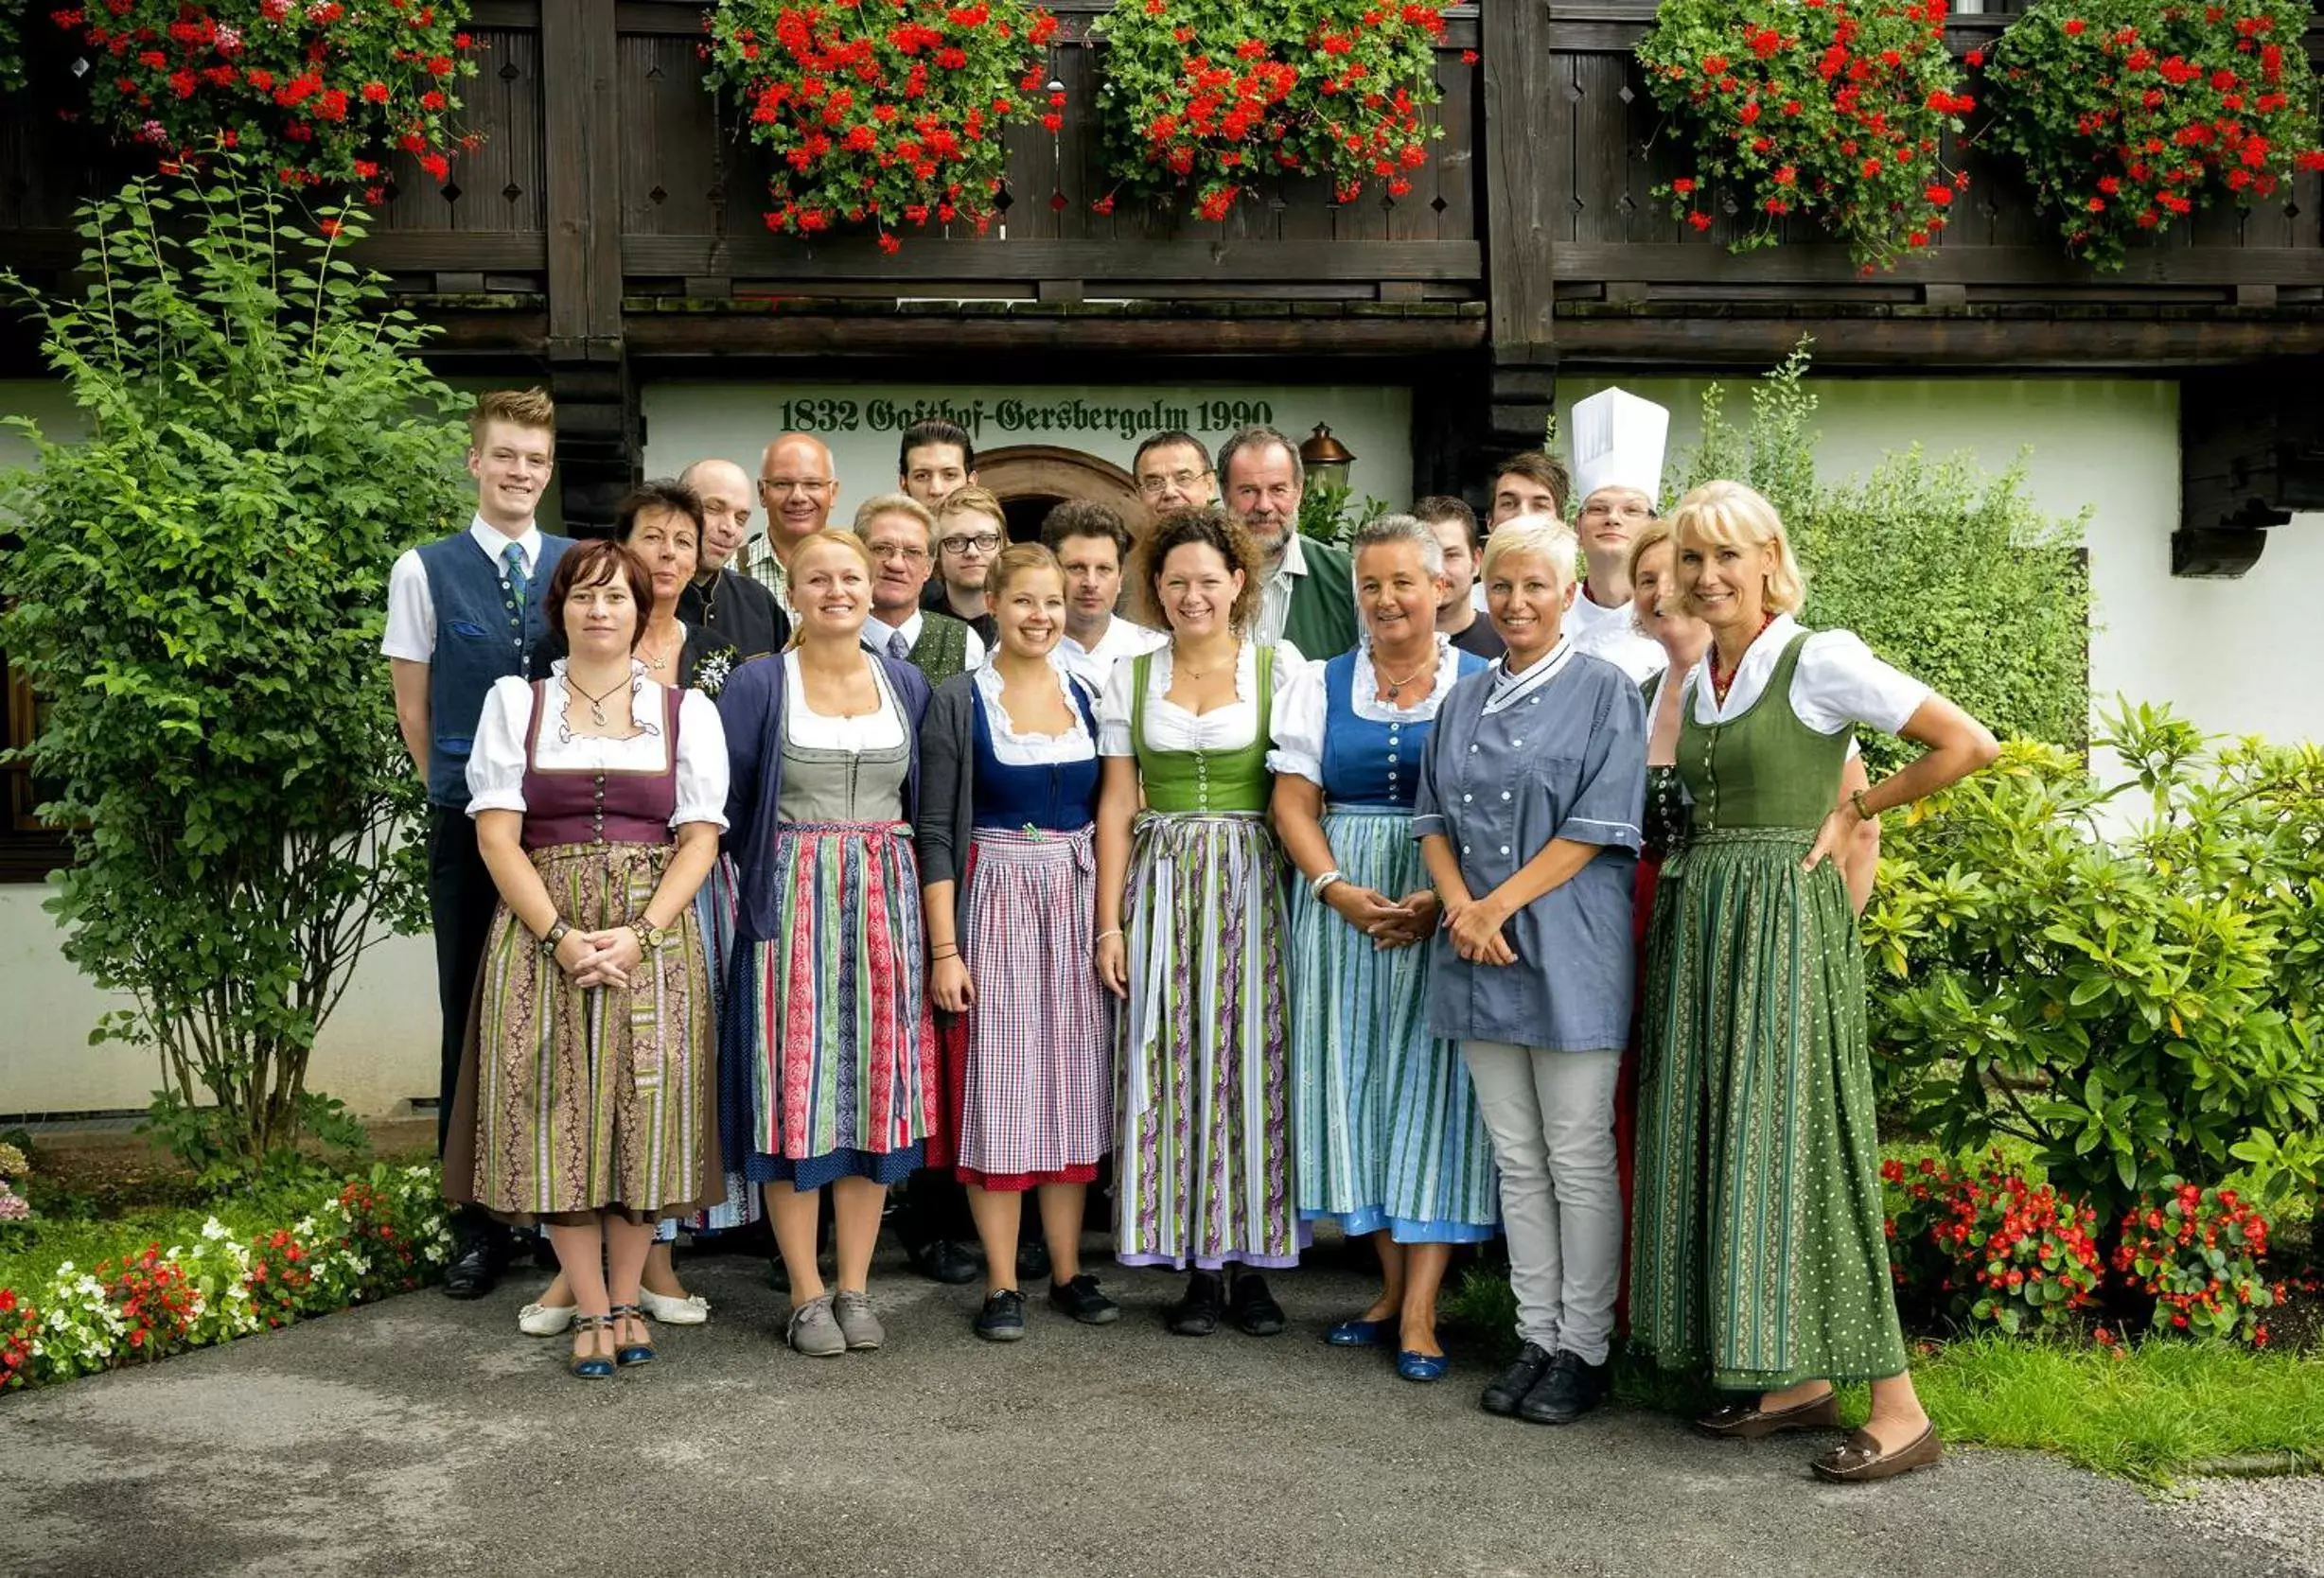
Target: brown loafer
1860,1460
1750,1422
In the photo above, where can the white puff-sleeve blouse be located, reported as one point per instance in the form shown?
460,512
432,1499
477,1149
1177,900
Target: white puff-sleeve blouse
1838,684
1170,726
497,763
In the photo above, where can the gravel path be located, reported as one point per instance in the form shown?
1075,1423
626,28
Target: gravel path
2279,1522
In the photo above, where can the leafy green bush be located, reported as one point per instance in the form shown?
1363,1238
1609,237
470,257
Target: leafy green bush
1953,575
2138,1005
198,588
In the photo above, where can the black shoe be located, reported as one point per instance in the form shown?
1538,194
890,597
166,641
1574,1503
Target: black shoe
941,1260
1506,1393
1569,1390
1002,1319
1197,1314
1252,1307
471,1274
1032,1261
1081,1299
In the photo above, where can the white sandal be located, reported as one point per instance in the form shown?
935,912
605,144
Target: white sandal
545,1320
692,1310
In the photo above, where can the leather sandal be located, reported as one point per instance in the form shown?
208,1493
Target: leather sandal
628,1353
1750,1422
592,1365
1860,1460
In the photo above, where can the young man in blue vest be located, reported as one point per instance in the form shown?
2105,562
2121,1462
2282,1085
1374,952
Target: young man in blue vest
463,612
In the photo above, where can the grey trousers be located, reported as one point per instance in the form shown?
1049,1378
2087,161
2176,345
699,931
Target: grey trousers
1551,1118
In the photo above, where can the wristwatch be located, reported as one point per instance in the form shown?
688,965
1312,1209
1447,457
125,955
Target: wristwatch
555,935
650,936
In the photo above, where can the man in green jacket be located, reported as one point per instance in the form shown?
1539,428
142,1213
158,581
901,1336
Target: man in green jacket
1307,592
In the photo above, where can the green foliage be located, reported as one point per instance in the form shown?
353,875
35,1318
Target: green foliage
1328,511
2130,114
198,589
2136,1005
1831,111
1953,575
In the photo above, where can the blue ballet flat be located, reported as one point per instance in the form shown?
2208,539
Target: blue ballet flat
1361,1334
1421,1367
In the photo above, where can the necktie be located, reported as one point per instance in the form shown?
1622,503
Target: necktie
898,648
512,568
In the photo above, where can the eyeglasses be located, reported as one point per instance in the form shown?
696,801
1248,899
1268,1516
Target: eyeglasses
1609,512
1184,481
780,486
898,550
984,542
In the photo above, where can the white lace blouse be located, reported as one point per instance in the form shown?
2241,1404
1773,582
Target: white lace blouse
1301,710
1170,726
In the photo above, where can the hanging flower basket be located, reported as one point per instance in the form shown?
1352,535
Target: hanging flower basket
2132,114
884,113
323,92
1824,107
1208,96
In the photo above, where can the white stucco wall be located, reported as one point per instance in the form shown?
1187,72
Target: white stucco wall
2211,648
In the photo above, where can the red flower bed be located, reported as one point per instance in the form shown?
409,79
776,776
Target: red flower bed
1998,1251
324,90
2197,1253
885,112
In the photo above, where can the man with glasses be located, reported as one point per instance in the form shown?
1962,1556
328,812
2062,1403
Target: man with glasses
1618,442
895,527
798,484
718,598
934,459
971,530
1307,590
1174,474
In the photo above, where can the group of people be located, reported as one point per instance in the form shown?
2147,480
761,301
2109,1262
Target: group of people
1420,885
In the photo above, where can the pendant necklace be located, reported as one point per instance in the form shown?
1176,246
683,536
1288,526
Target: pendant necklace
598,703
1397,686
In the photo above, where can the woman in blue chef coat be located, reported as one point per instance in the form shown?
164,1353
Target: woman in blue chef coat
1532,790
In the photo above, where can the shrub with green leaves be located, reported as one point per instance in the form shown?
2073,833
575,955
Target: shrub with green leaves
199,588
2138,1005
1954,575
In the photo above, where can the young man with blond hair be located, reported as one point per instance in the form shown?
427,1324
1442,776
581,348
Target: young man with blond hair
462,612
971,530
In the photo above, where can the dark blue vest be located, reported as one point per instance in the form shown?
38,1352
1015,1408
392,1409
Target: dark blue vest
481,636
1368,763
1061,797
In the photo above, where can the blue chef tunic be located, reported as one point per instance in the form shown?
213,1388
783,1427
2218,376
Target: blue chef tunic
1559,751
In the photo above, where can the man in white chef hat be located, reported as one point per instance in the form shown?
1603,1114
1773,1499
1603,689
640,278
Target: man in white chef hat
1617,445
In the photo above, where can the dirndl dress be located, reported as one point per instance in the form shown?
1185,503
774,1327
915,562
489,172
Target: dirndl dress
1203,1171
1389,1137
1758,1246
1038,1102
831,1051
573,1101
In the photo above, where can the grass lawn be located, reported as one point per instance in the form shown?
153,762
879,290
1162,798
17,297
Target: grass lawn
2150,1411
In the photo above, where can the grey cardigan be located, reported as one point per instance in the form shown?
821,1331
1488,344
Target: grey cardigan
948,789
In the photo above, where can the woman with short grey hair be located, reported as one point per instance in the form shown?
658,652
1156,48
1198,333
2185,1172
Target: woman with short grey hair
1385,1129
1527,812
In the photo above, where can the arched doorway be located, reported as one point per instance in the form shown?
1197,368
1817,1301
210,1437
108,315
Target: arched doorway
1030,480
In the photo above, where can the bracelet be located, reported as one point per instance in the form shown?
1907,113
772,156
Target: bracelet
944,950
555,935
1857,799
1103,936
1315,888
651,937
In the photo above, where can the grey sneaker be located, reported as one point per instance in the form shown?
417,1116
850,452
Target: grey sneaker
813,1331
861,1328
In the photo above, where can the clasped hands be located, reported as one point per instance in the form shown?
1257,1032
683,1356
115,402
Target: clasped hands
1390,923
1475,926
599,958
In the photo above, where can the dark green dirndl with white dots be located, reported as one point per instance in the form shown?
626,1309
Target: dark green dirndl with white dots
1759,1244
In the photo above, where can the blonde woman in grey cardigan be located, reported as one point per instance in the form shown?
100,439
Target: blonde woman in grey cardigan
1008,787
